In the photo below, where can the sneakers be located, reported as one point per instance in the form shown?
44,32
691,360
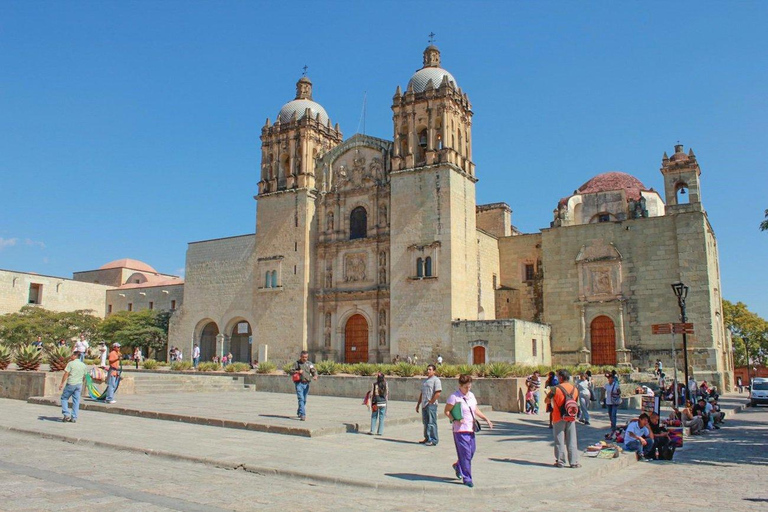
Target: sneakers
469,484
559,464
586,423
457,470
111,401
73,420
429,443
303,418
66,419
424,441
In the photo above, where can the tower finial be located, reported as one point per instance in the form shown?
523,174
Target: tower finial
431,38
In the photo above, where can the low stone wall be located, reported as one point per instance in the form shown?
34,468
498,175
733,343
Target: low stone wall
22,385
501,394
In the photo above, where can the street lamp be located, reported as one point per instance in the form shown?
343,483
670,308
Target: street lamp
749,374
681,292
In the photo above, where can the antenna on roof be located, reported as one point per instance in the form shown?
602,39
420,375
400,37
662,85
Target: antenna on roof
363,113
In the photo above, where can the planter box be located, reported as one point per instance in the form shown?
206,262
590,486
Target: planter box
21,385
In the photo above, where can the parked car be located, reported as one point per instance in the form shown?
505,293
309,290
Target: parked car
758,393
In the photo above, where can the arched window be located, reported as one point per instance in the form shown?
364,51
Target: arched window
274,279
267,280
419,267
428,266
358,223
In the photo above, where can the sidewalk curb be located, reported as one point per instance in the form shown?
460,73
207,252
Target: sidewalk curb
611,465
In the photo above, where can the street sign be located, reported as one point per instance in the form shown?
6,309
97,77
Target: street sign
686,328
661,328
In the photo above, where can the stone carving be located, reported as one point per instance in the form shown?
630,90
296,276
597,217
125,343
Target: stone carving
354,268
327,340
382,258
382,318
383,215
327,320
382,276
382,338
329,276
598,251
376,168
329,221
601,281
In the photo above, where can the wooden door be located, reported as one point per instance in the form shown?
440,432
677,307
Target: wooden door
356,340
478,355
603,336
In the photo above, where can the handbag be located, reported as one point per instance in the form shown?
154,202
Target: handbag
475,424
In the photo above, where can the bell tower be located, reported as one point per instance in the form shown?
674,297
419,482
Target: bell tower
433,220
681,178
285,213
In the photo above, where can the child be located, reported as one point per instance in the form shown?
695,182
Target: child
530,402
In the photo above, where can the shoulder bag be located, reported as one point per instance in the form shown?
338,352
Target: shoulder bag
475,424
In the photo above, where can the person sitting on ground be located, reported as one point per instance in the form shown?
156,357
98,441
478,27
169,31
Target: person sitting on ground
718,416
709,409
700,410
638,438
660,436
704,389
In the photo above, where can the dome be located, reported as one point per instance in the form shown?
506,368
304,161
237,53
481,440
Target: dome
613,181
421,77
128,263
299,107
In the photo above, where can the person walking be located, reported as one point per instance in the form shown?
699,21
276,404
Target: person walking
103,354
612,398
431,388
584,398
564,426
72,386
81,346
379,397
137,357
464,428
302,373
195,355
113,372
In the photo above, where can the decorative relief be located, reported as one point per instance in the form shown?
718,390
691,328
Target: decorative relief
601,281
329,221
354,267
329,276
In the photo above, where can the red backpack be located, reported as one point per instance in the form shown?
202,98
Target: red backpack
569,411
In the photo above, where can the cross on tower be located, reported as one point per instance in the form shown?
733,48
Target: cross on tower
305,70
431,37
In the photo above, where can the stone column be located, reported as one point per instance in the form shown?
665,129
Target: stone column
623,356
220,345
584,352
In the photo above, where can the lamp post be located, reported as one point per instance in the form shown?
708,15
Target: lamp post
681,292
749,374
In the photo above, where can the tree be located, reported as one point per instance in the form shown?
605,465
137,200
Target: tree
22,328
764,224
749,331
146,328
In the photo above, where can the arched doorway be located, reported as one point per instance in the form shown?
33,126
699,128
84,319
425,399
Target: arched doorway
208,341
478,355
238,342
603,335
356,340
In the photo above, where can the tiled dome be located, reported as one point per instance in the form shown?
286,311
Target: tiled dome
128,263
613,181
300,107
421,77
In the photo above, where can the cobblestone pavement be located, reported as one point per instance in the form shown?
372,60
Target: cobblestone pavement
723,470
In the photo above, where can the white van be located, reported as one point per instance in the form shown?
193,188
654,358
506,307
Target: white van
758,394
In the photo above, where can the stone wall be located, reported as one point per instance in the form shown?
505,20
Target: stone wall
21,385
515,252
504,340
57,294
161,298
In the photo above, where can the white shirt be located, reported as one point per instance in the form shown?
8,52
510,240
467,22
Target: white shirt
583,387
103,361
178,355
634,428
81,346
196,352
439,359
610,388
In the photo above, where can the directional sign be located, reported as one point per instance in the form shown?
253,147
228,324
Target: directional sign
661,328
686,328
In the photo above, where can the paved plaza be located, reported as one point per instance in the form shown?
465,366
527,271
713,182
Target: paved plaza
135,463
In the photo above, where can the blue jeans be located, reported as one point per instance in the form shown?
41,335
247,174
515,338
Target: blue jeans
82,356
536,398
195,361
302,390
612,410
584,407
111,386
429,419
634,445
71,390
379,415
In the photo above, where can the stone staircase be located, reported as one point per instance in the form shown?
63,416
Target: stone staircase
149,383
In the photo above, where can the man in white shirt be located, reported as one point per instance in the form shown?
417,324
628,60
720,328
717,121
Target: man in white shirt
612,398
638,438
81,346
195,355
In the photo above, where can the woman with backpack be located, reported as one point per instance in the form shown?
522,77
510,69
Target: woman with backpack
378,400
563,398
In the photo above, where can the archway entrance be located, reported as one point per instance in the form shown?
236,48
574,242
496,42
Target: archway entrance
603,336
208,341
356,340
478,355
238,342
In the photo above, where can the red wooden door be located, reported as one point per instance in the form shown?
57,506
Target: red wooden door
478,355
356,340
603,341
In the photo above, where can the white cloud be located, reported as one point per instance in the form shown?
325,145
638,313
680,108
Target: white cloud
180,271
32,242
7,242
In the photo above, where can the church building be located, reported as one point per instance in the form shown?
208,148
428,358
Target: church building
366,249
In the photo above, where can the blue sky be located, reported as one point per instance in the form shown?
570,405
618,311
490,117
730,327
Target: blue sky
131,128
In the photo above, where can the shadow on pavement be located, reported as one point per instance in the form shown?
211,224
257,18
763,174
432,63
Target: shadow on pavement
414,477
56,419
401,441
279,416
521,462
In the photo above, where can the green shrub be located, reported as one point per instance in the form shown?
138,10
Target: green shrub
466,369
150,364
406,370
92,361
448,371
480,370
365,369
327,368
237,367
498,370
265,367
208,367
179,366
287,367
346,368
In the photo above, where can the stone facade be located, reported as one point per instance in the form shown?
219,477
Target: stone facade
18,289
